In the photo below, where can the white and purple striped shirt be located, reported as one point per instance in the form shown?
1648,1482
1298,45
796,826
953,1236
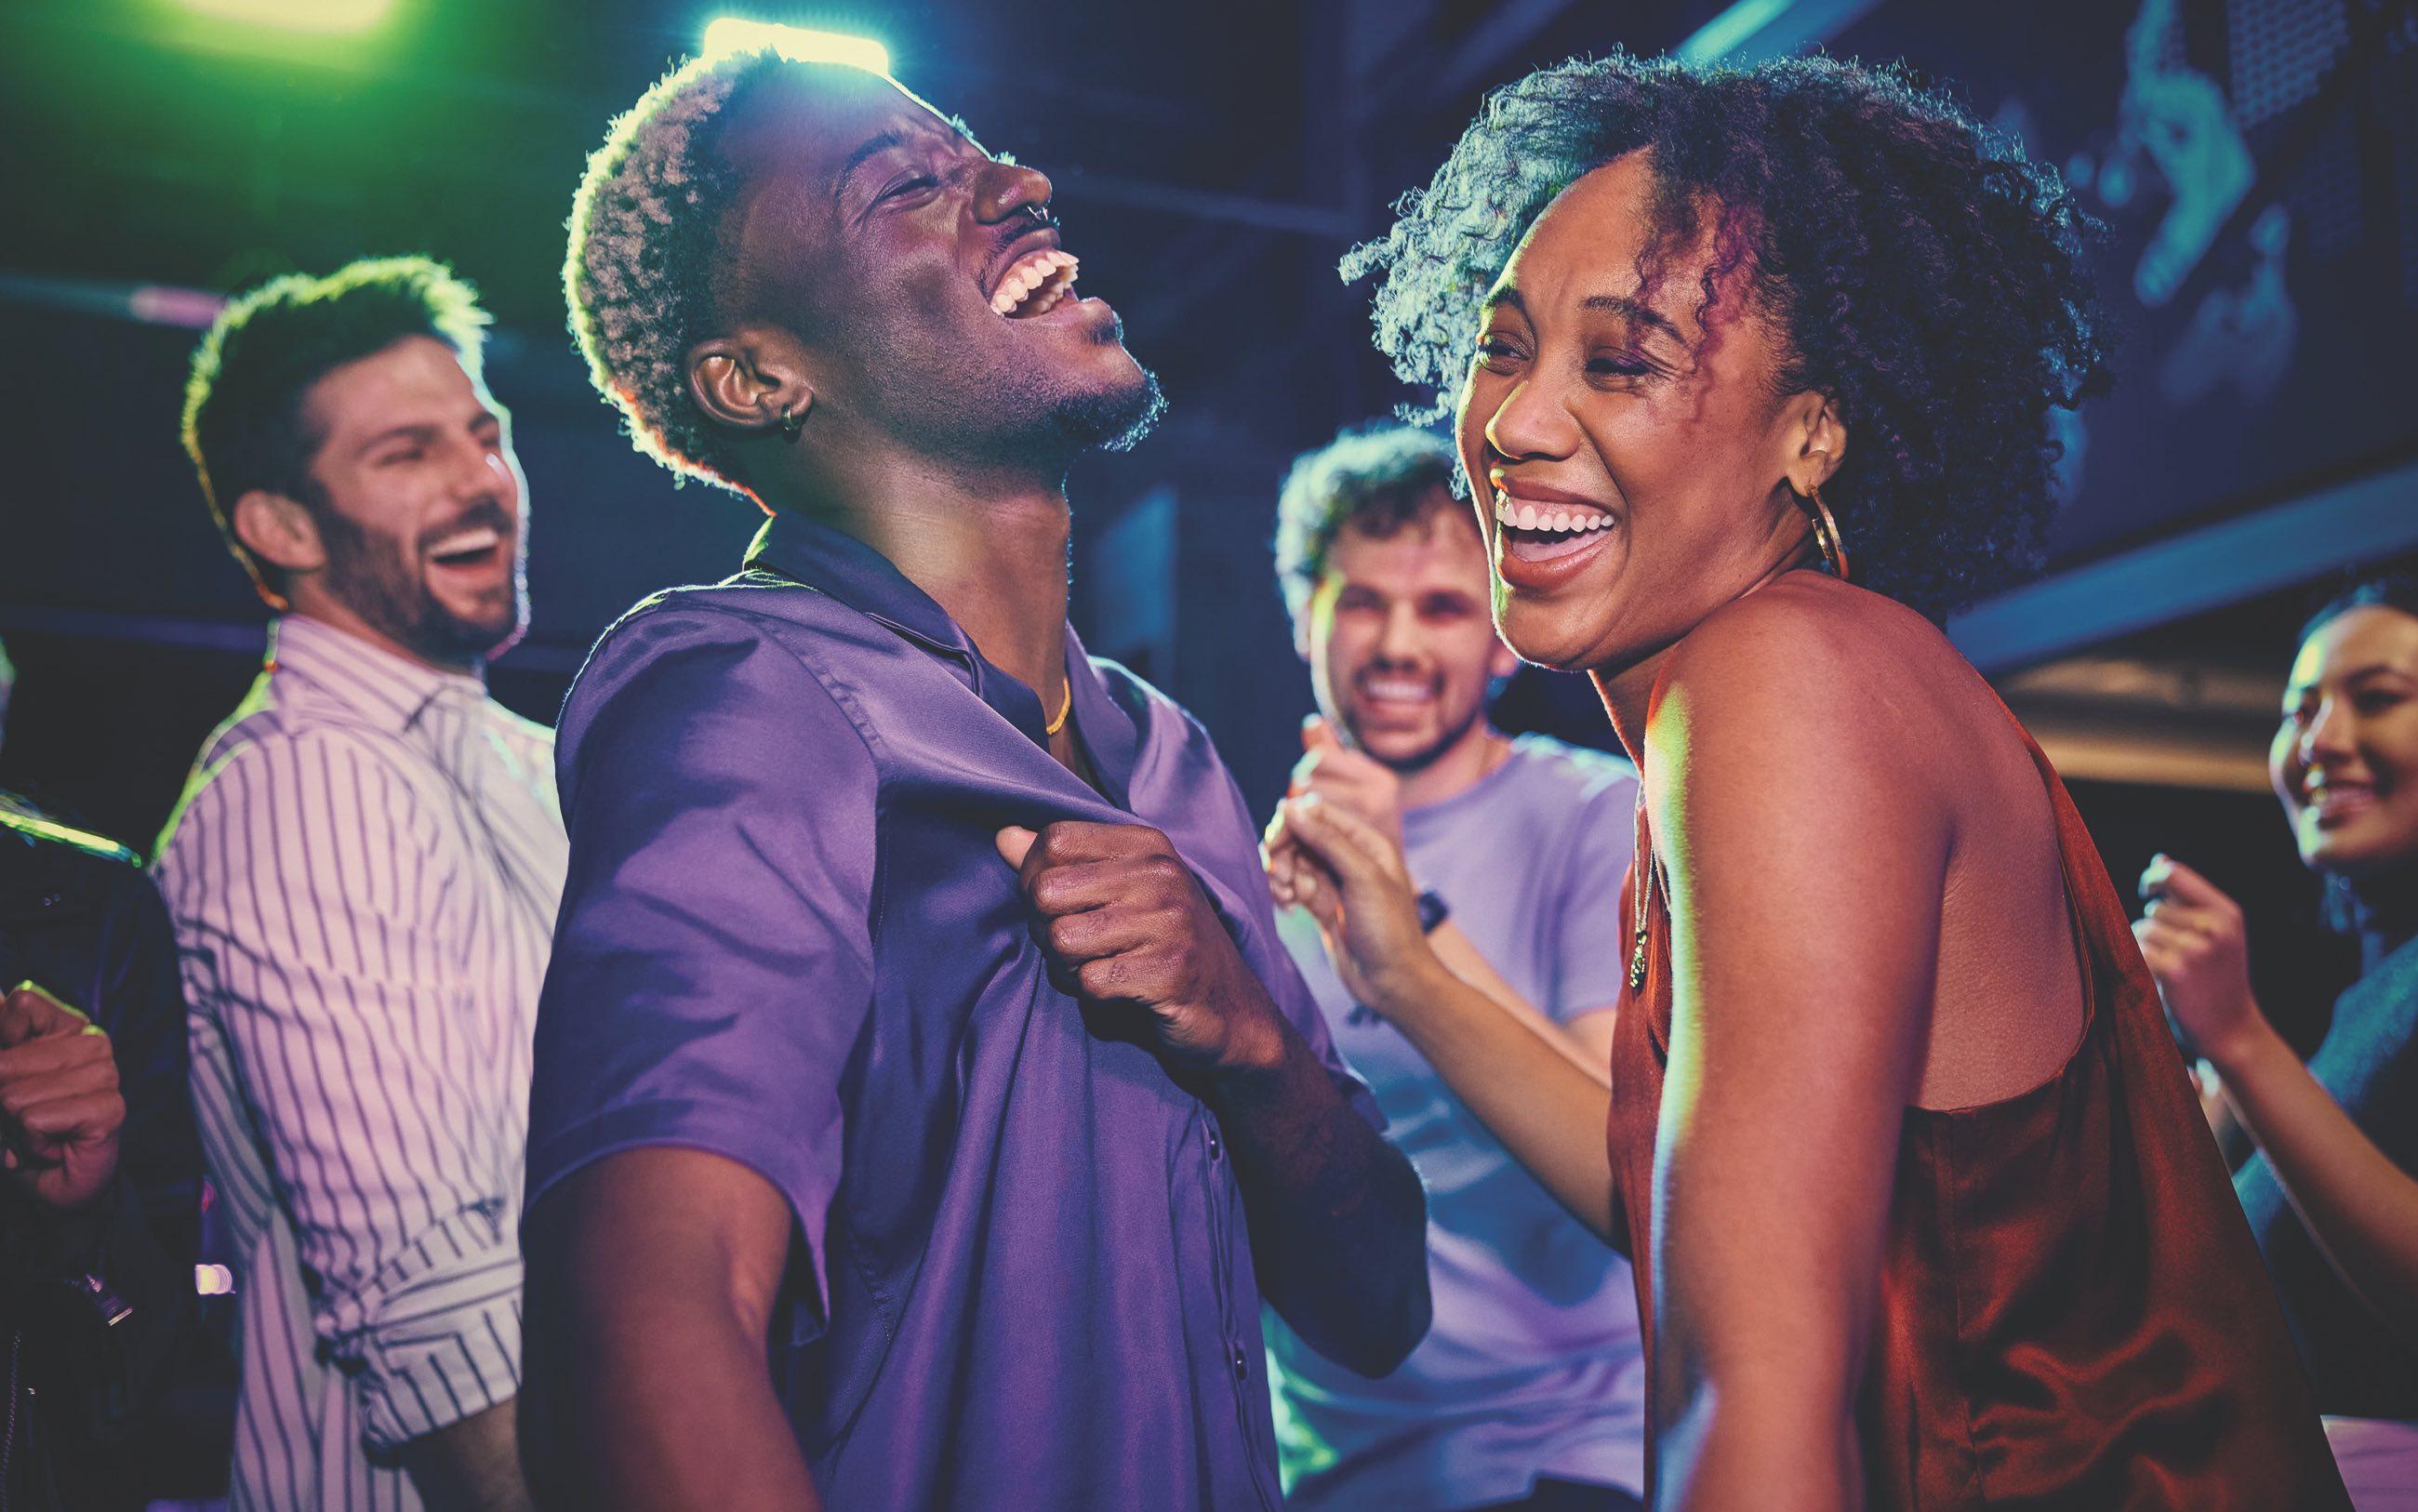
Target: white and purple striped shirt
364,871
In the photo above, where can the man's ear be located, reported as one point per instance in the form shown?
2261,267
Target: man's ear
752,381
1820,438
279,530
1503,663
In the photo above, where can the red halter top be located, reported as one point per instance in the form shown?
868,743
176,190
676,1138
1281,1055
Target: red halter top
2072,1313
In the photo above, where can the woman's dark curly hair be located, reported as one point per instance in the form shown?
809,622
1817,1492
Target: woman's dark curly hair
1924,275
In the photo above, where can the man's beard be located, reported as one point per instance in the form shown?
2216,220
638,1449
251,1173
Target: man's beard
1426,755
1005,418
374,576
1112,422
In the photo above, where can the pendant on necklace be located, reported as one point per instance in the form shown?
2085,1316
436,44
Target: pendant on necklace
1637,963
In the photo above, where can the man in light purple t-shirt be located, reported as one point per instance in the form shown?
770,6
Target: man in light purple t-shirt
1529,1390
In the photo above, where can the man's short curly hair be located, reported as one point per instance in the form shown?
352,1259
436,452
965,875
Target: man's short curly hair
243,423
1922,272
1377,478
645,236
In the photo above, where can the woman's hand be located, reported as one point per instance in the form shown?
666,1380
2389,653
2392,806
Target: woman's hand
1354,880
2193,939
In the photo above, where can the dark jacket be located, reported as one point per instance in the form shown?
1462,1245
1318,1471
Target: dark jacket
95,1308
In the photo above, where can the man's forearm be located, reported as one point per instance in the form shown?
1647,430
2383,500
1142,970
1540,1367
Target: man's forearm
473,1465
1338,1223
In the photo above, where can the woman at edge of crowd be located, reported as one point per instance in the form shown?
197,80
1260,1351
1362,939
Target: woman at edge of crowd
2331,1195
1923,1210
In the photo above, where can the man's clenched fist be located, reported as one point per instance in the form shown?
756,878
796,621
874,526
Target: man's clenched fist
1121,918
60,1111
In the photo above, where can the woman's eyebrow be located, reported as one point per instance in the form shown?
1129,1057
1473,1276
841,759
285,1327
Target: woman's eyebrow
1633,308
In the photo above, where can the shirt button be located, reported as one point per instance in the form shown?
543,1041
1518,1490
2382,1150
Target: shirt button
1241,1363
1215,1148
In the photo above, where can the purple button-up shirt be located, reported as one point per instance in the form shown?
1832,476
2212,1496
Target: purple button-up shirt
1021,1277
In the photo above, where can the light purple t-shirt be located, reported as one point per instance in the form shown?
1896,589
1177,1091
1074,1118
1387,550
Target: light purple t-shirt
1533,1365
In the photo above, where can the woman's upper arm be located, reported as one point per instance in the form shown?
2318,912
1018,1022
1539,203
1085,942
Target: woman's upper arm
1806,857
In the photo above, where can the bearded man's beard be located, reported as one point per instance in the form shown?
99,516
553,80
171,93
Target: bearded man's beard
376,577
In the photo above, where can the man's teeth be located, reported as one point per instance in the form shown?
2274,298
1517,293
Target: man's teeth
1530,517
463,544
1050,271
1394,692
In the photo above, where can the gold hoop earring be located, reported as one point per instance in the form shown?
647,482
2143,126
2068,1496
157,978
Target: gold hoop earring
1826,534
792,421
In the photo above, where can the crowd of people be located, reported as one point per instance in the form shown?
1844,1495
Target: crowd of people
868,1055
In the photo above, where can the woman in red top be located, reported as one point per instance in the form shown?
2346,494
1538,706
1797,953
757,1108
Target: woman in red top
1755,371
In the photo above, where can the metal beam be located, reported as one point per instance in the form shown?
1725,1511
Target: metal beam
1752,31
2274,548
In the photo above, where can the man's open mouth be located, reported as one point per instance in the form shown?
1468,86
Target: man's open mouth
1035,283
477,546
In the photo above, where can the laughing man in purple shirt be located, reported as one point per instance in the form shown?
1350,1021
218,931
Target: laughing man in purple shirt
925,1102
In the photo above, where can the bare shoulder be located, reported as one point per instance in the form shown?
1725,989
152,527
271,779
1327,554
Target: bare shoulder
1811,666
1816,633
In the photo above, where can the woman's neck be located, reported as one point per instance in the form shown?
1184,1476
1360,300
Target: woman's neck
2384,913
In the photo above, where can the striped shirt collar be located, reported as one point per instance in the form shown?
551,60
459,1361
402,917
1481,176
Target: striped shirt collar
390,689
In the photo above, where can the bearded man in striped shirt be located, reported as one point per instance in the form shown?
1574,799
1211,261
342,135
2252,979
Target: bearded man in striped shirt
364,871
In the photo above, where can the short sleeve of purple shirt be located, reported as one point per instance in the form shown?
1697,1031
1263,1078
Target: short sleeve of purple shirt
712,964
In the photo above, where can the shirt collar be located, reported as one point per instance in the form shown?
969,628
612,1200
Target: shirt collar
839,566
392,689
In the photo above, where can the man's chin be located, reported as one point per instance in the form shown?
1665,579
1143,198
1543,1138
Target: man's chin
1403,750
450,636
1113,419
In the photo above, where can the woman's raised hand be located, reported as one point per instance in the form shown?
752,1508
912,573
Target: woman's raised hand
1354,880
2193,939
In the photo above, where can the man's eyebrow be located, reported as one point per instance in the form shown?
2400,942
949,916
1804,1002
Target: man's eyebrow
413,429
1505,296
871,148
1633,308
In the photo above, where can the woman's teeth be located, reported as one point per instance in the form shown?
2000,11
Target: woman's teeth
1036,285
1549,517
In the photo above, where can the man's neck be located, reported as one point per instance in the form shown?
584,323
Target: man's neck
1460,766
340,616
992,555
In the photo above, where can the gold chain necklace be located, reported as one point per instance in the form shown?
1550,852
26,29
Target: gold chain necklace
1063,710
1645,875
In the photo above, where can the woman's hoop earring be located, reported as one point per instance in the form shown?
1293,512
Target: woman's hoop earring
1826,534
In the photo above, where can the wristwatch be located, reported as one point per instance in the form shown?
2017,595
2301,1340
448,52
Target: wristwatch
1433,911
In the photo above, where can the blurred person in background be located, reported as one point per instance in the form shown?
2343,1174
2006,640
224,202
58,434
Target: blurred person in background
1530,1387
100,1170
363,870
2333,1191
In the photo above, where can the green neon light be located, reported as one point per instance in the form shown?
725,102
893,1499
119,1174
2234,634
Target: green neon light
799,44
329,17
